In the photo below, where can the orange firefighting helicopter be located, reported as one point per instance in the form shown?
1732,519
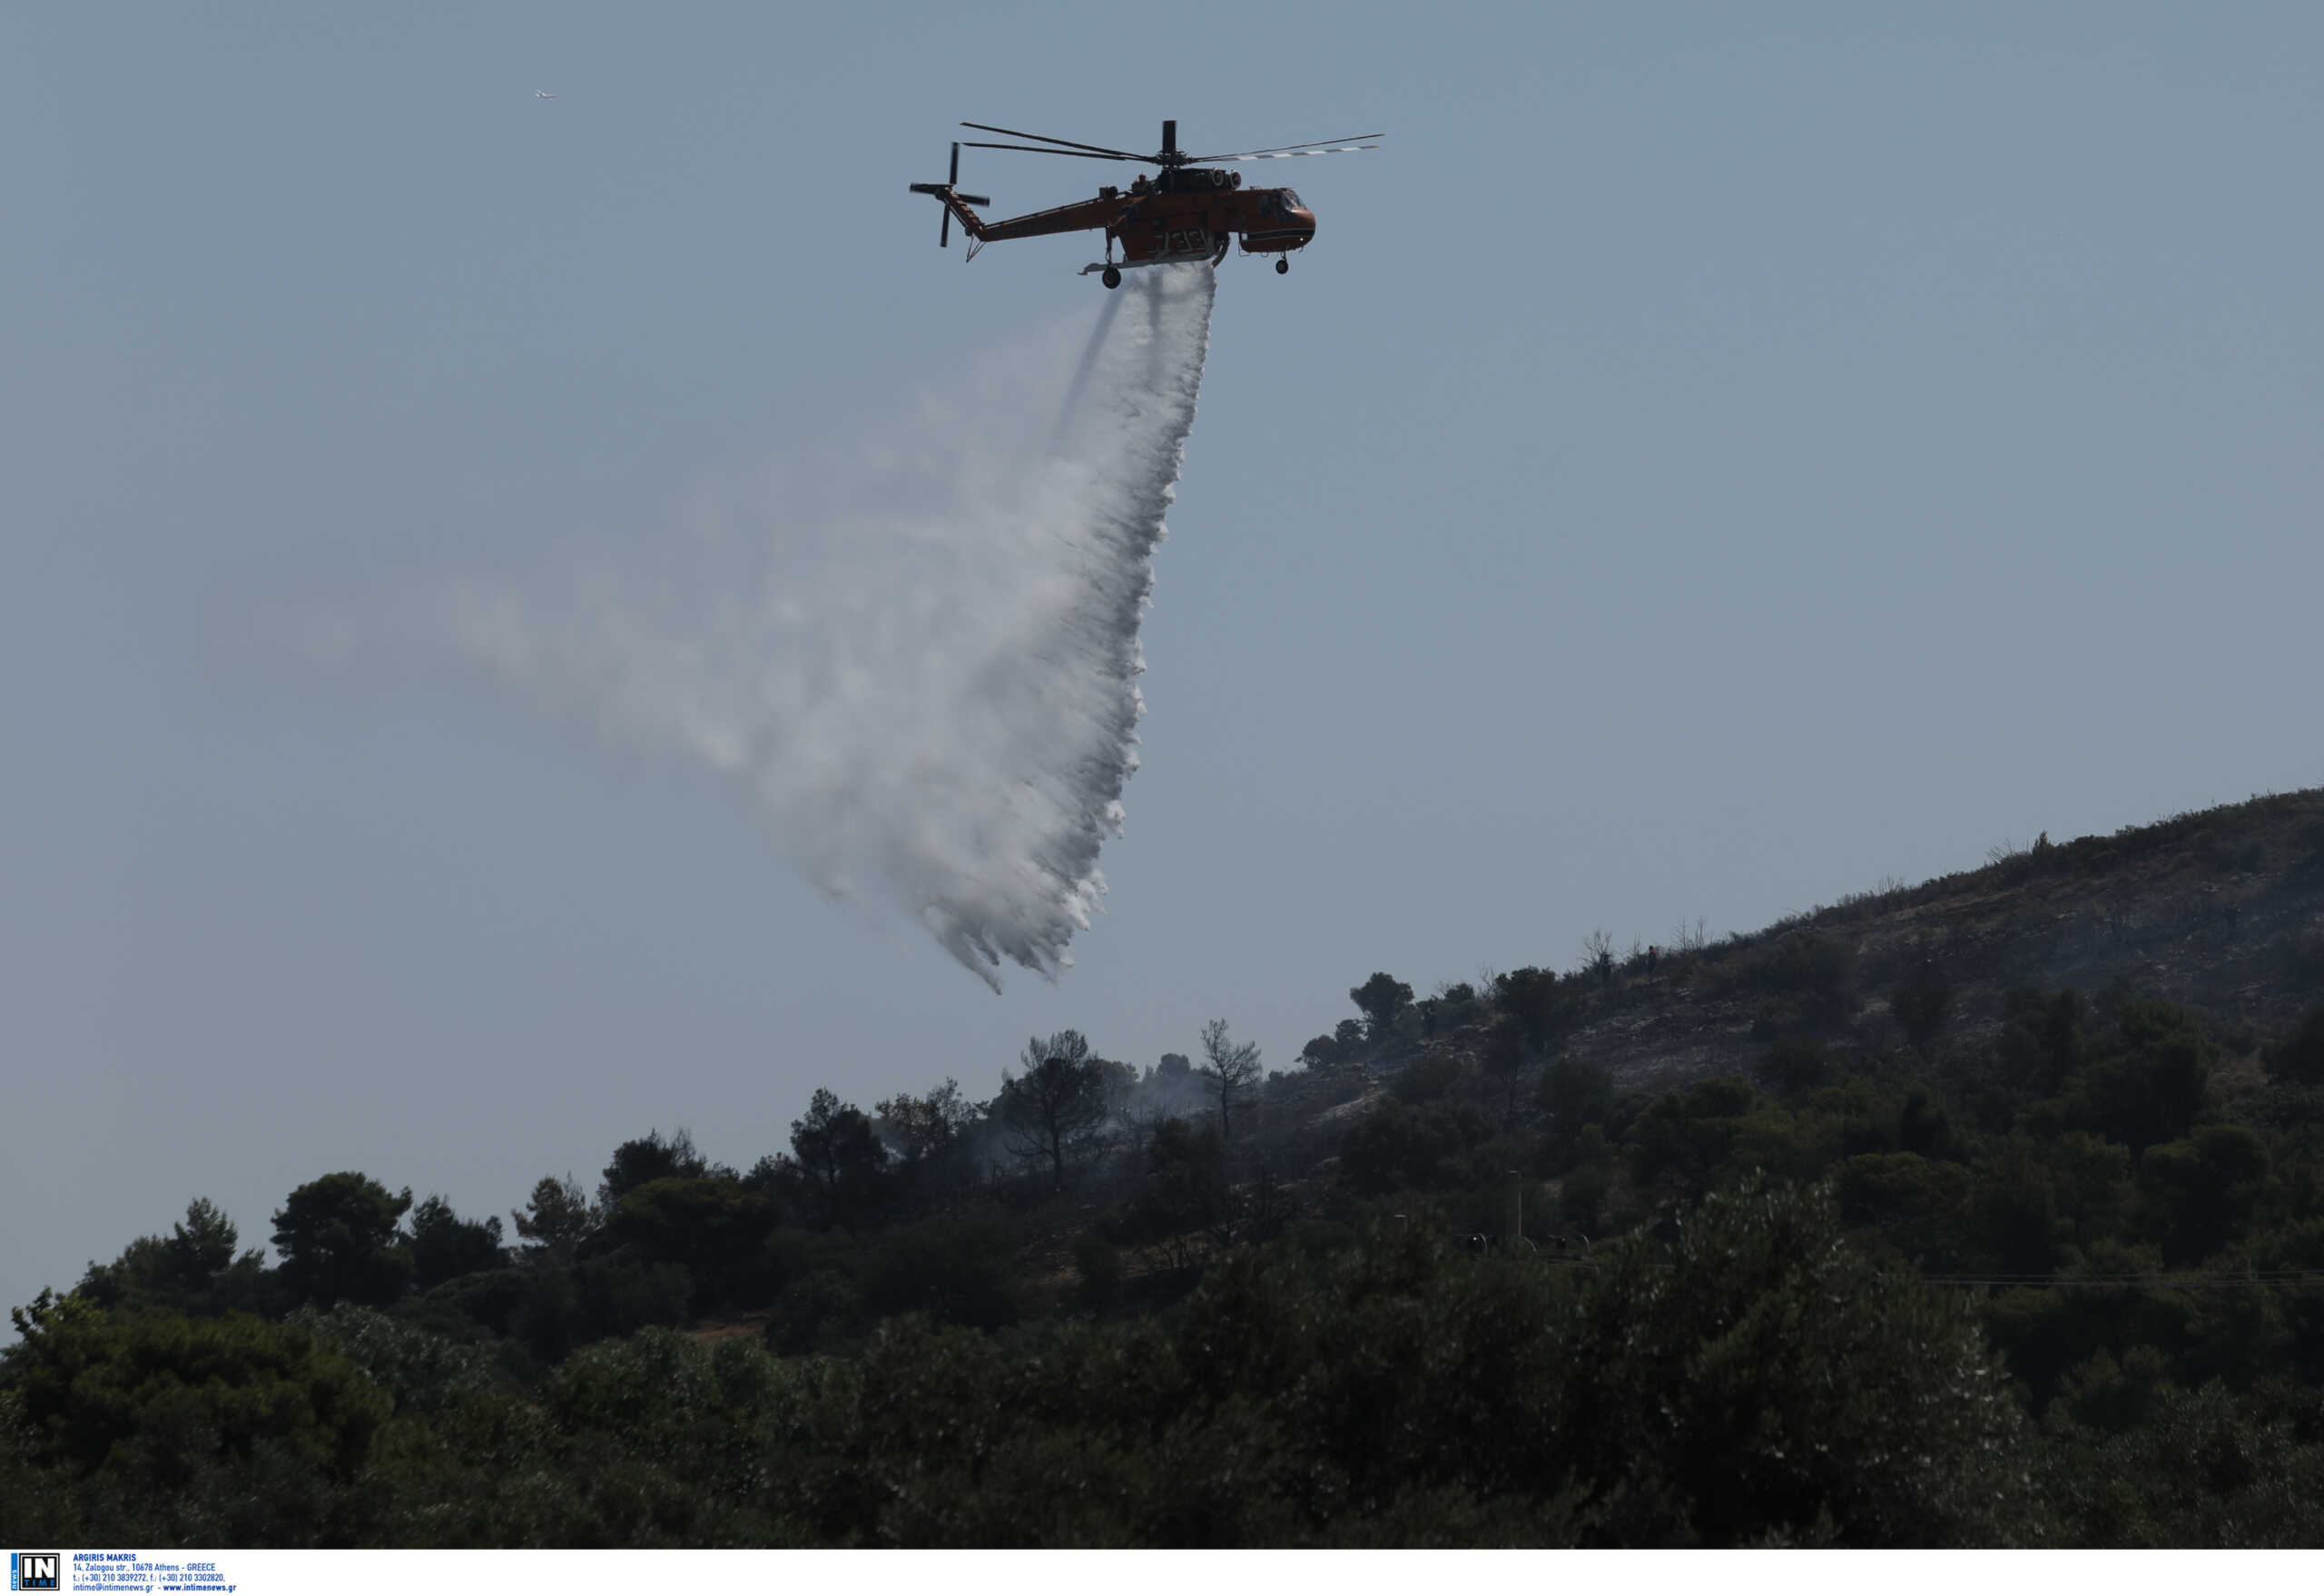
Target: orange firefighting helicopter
1184,212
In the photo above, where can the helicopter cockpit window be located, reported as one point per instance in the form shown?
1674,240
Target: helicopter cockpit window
1292,200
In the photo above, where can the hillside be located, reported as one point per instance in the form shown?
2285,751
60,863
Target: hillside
2221,909
1988,1211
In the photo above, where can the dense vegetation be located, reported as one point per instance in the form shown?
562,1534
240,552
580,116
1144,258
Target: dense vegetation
1959,1258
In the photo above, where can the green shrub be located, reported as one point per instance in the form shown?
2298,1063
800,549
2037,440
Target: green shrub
1795,1068
1400,1145
2300,1056
1919,1001
621,1294
2189,1469
956,1271
820,1309
1430,1078
423,1372
1100,1263
491,1300
1581,1196
1807,973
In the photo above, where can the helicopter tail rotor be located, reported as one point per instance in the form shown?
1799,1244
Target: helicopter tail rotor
946,192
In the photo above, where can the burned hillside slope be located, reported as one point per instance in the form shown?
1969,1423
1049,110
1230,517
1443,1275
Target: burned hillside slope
2222,911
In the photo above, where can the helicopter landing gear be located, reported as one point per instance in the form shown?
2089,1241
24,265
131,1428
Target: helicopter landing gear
1282,265
1111,279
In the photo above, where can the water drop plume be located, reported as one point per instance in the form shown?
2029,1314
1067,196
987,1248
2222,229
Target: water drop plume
914,646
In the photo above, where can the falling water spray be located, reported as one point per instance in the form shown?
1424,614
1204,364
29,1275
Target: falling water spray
914,647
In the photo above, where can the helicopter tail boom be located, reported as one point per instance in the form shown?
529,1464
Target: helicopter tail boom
956,203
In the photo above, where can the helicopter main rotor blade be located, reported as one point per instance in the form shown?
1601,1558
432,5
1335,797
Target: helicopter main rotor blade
1044,138
1302,144
1288,151
1038,149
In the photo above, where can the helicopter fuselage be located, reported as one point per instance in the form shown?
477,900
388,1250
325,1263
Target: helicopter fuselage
1187,213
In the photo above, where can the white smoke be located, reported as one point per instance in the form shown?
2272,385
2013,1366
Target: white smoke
917,647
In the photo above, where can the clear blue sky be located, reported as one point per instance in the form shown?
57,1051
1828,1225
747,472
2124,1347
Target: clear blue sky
1706,464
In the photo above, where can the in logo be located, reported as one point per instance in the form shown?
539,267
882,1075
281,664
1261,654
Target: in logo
34,1571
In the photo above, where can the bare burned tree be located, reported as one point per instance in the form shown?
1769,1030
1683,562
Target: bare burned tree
1598,956
1058,1102
1230,1068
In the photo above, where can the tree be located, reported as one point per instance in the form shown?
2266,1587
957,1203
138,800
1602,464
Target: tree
840,1155
339,1240
714,1226
1383,999
2200,1192
193,1269
1184,1189
1920,1206
2042,1040
2150,1088
201,1246
1231,1067
1760,1378
650,1157
148,1401
1057,1104
928,1130
1344,1044
445,1246
1119,1084
1689,1132
1532,1001
556,1220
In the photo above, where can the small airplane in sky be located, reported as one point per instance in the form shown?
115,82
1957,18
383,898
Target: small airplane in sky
543,94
